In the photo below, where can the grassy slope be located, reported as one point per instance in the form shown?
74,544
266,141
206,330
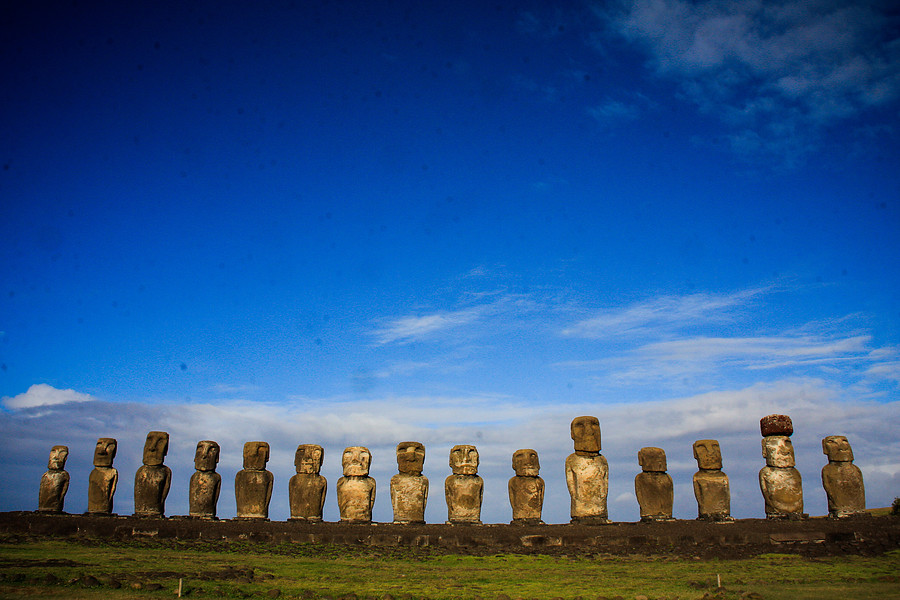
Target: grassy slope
332,571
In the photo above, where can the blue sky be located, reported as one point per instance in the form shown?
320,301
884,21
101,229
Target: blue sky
470,223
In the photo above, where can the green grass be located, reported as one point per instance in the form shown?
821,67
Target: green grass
320,571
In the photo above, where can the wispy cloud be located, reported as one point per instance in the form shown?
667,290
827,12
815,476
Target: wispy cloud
674,343
759,352
663,314
42,394
497,306
614,111
773,72
415,327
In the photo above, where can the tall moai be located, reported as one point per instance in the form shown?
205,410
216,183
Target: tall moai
526,488
653,486
307,489
464,489
587,473
253,484
55,482
842,480
103,478
205,485
779,481
710,484
356,490
409,488
153,478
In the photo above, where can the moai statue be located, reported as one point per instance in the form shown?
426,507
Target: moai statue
253,484
464,489
152,479
587,473
710,483
409,488
102,480
356,490
779,481
306,489
55,482
526,489
842,479
653,486
203,494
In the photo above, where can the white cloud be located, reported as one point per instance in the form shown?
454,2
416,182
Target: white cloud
772,70
41,394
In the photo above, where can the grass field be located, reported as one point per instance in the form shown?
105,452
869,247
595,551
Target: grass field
93,570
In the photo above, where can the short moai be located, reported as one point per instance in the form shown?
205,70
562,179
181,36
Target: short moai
587,473
464,489
356,490
205,485
710,483
653,486
307,489
779,481
55,482
409,488
153,478
103,479
526,489
842,480
253,484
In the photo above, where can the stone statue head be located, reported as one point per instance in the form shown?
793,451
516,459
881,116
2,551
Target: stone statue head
464,460
58,456
525,463
256,455
708,454
206,457
104,452
356,461
837,448
410,458
652,459
778,450
586,434
776,425
308,458
155,448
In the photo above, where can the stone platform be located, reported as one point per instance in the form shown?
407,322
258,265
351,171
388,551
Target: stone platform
865,535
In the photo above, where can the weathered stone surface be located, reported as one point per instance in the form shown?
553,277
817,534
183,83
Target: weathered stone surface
464,489
55,482
356,490
205,485
711,486
409,488
153,478
776,425
526,489
842,480
307,489
253,484
102,480
779,481
653,486
587,473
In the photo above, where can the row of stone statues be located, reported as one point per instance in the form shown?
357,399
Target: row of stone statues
587,478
